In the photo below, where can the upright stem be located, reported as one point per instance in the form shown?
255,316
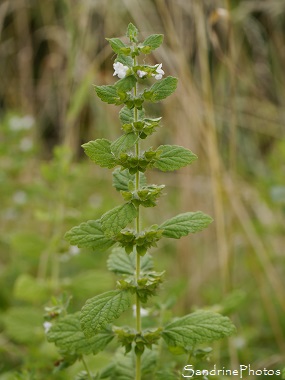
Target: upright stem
86,369
137,186
138,367
138,259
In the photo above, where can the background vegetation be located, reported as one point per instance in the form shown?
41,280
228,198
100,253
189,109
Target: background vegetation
229,109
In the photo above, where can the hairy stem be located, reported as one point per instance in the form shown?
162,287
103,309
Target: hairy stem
86,368
137,186
190,356
138,367
138,258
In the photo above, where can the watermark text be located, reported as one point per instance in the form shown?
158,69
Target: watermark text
241,372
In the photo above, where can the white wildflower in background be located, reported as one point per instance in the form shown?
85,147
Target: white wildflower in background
26,144
239,342
74,250
20,197
10,214
141,73
144,312
159,72
21,123
47,326
120,70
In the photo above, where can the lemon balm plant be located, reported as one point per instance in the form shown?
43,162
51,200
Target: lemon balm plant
91,330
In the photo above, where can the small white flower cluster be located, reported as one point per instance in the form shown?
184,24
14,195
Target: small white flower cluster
121,70
144,312
26,144
47,326
73,251
17,123
159,72
141,73
20,197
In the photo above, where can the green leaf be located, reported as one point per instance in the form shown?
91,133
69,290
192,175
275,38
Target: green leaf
125,60
116,44
121,179
125,365
153,41
162,89
108,94
120,262
23,324
183,224
89,234
63,363
199,327
132,32
126,84
68,336
99,151
166,374
82,284
144,287
173,157
106,372
127,115
116,219
103,309
124,143
30,289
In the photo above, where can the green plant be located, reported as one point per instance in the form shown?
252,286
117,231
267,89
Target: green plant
90,330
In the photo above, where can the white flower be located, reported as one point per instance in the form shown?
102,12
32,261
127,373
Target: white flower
74,250
26,144
21,123
120,70
239,342
47,326
159,72
20,197
144,312
141,73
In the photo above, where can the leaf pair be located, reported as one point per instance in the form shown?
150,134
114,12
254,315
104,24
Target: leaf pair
170,157
114,94
96,233
88,332
99,234
147,46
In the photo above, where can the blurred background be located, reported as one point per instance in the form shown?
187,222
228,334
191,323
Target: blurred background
229,57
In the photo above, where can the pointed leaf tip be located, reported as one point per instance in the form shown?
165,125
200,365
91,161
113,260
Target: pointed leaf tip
118,218
161,89
99,151
173,157
183,224
68,336
89,234
103,309
198,327
153,42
